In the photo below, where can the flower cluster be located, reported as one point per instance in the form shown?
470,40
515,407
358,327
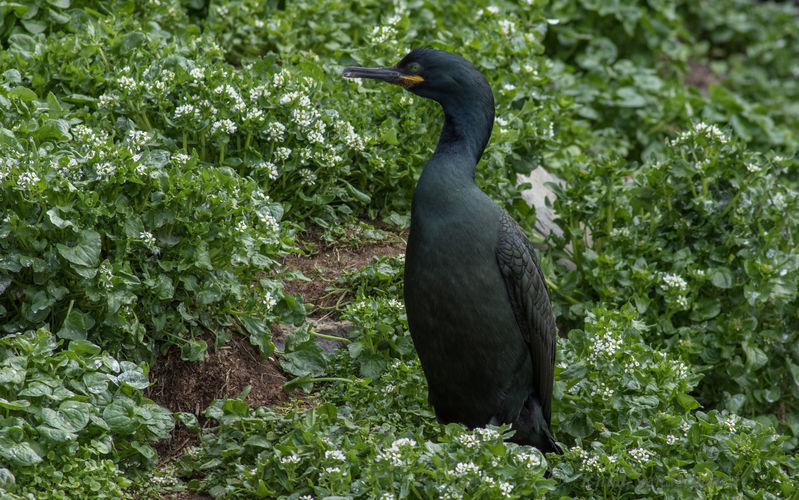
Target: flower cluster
290,459
641,455
528,460
604,347
393,454
700,129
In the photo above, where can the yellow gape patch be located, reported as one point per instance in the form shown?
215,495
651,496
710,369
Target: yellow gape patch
409,81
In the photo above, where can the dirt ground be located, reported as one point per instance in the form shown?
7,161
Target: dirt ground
191,386
326,263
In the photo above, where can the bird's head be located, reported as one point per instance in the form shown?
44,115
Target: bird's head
435,74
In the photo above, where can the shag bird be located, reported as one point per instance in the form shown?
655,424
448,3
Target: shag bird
477,303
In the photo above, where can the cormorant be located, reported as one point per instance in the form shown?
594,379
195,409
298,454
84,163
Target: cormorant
477,303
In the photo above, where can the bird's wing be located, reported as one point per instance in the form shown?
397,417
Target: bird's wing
529,298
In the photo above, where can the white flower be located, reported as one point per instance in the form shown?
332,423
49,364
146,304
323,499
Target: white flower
465,468
631,365
467,440
602,390
138,138
275,131
671,439
269,221
149,241
290,459
258,92
241,226
381,34
259,23
197,74
752,168
507,27
27,179
227,126
730,422
282,153
304,117
254,115
106,100
506,489
308,178
529,460
673,281
127,83
105,171
180,158
335,455
333,470
641,455
396,304
186,111
270,169
604,346
486,434
391,456
280,79
403,443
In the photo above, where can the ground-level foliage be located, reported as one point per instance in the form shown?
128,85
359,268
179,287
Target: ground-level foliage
159,158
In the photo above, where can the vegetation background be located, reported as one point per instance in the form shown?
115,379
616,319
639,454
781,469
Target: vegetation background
176,178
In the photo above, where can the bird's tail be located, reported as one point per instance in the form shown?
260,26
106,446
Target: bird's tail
532,429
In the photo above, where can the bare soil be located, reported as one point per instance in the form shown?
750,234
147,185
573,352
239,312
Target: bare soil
701,76
190,387
325,263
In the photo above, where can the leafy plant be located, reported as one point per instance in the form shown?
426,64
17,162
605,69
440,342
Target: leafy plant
71,416
716,240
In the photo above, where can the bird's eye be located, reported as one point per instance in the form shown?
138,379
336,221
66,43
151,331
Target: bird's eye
415,67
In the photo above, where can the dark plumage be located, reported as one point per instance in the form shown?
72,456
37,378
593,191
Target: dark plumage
478,306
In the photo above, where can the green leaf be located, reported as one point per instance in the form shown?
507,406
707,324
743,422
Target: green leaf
76,413
34,26
193,350
190,421
687,402
76,326
7,479
134,378
304,382
23,93
53,129
629,98
61,4
705,308
260,334
86,251
131,41
755,357
56,434
18,453
120,416
308,358
721,277
358,195
14,405
80,346
57,221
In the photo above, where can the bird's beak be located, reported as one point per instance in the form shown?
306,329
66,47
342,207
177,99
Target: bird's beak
388,74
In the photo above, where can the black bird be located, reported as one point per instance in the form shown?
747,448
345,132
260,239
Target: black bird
478,306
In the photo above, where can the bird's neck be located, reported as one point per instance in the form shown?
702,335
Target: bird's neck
467,128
